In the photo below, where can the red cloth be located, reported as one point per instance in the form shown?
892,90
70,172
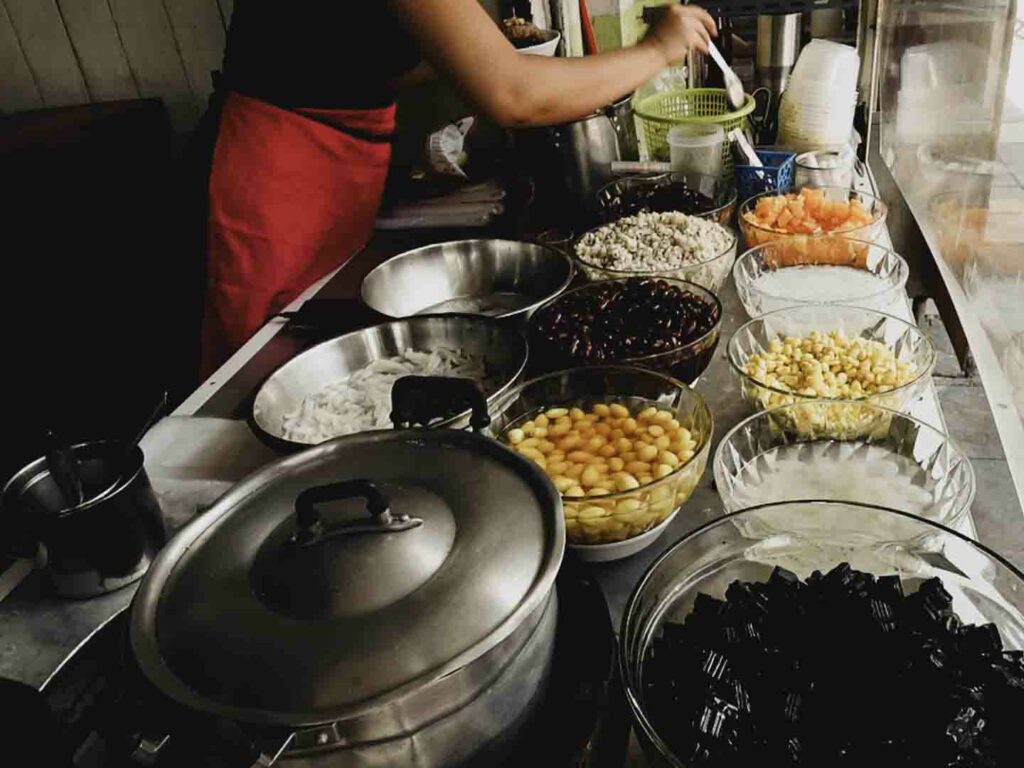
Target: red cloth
291,198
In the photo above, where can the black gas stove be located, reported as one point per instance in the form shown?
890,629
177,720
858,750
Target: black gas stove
102,718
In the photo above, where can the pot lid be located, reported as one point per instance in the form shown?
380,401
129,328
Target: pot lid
335,581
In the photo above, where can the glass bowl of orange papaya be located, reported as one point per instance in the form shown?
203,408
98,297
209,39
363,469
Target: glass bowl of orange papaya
799,219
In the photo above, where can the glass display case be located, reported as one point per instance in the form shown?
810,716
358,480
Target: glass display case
950,119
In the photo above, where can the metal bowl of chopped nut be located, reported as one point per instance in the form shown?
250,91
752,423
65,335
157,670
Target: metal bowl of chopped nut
831,352
659,244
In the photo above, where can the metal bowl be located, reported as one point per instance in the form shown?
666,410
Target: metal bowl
495,278
502,346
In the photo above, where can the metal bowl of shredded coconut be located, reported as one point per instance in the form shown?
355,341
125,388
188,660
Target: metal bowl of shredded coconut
343,386
659,244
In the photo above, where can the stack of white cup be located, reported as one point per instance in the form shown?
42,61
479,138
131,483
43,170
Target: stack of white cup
819,102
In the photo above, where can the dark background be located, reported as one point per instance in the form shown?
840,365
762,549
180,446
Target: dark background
103,278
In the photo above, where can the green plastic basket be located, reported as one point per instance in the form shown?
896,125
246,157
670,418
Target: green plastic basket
658,113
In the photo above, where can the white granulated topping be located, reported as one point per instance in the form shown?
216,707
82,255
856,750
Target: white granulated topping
821,283
654,242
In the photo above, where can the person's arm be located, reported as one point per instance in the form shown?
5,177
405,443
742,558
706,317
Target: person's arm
462,43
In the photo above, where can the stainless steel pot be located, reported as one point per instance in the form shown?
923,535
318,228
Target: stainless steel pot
570,162
382,599
106,542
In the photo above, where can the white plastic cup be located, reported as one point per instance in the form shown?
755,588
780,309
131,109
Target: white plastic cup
824,169
696,148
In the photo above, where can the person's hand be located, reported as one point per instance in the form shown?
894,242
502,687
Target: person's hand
679,29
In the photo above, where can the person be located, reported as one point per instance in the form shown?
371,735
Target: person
302,145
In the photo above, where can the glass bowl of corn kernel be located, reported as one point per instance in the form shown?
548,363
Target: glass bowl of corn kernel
625,447
818,353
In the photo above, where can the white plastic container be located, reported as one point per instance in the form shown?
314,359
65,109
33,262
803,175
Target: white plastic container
696,148
818,106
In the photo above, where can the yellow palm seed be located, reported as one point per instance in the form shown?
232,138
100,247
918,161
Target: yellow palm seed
638,467
626,482
667,457
647,453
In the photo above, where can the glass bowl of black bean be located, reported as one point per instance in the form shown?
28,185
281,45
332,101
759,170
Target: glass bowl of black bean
662,324
813,633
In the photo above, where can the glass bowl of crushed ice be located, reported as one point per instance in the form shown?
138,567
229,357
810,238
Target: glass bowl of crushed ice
826,270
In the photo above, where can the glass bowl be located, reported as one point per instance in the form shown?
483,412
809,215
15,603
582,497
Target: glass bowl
617,516
774,275
686,362
696,194
790,453
802,537
755,234
907,341
709,273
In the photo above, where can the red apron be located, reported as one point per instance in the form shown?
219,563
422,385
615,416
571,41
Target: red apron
292,196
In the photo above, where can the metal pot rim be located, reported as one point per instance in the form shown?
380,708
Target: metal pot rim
142,627
33,472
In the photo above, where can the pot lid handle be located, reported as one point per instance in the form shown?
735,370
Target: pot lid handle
419,400
310,529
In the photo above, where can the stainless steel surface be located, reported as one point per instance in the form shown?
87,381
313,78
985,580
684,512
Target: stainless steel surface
497,710
621,115
500,344
496,278
746,546
733,86
778,45
587,148
399,629
570,162
99,546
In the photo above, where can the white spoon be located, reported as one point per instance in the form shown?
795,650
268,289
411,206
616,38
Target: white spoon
733,86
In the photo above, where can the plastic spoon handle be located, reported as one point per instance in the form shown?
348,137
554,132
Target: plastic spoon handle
733,86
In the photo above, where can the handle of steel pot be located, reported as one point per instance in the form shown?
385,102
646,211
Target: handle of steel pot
419,400
310,529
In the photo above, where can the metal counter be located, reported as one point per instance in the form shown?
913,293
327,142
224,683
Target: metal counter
206,445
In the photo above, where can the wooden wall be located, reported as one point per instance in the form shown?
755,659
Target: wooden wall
61,52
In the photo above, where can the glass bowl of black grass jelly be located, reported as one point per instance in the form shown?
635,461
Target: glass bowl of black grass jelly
808,634
695,194
665,325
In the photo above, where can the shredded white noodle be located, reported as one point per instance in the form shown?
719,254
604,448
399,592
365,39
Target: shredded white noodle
363,400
